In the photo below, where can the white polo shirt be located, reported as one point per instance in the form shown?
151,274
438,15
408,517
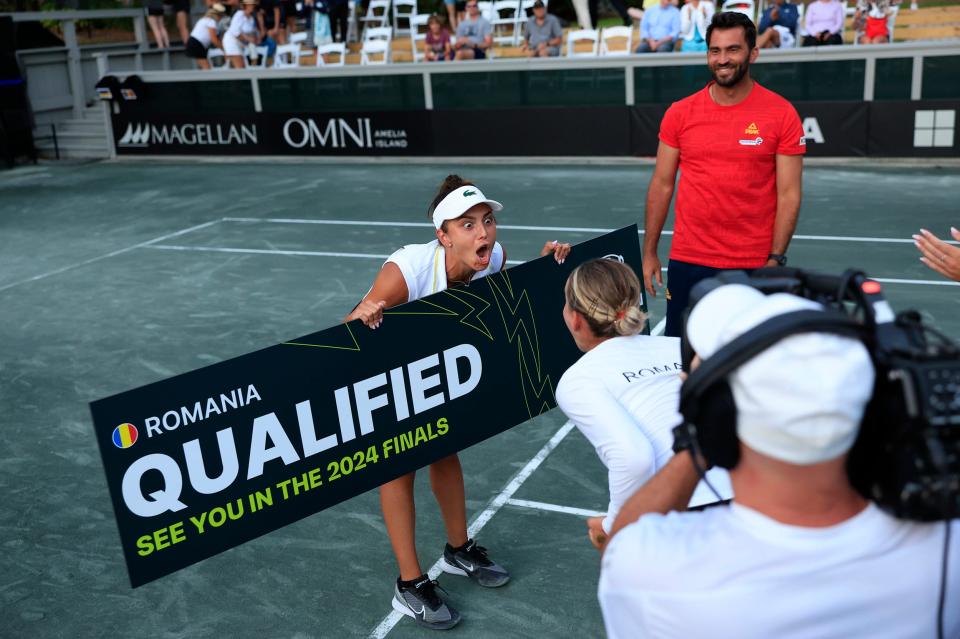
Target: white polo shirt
424,267
731,571
624,396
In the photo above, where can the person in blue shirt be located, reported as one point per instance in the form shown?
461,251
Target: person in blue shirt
659,28
778,26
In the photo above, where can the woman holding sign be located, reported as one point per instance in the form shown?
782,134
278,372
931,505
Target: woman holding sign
465,249
624,393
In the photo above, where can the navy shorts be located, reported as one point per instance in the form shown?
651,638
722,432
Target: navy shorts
681,277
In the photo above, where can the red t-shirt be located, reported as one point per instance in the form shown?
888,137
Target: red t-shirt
727,197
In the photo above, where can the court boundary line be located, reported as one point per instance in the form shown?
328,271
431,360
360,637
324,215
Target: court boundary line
252,251
64,269
393,617
554,508
567,229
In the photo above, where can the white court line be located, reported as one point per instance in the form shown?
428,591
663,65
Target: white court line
567,229
63,269
223,249
391,620
660,327
373,256
569,510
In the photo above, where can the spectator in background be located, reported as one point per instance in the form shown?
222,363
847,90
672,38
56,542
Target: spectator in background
659,28
473,34
778,26
339,13
290,15
938,255
241,32
436,46
272,13
870,19
618,5
451,6
824,22
204,35
157,26
543,34
694,18
182,9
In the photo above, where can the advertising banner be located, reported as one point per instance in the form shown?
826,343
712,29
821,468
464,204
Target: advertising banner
207,460
914,128
386,133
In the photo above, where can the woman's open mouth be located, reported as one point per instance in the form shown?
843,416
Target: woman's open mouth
483,255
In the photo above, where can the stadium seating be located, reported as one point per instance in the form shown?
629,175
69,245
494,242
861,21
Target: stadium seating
616,41
338,49
576,40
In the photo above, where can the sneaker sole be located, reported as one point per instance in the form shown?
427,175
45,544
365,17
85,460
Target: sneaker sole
403,610
450,569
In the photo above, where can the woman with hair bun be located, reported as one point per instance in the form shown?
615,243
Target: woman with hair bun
624,392
464,250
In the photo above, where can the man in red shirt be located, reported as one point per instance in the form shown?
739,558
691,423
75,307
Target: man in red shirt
740,150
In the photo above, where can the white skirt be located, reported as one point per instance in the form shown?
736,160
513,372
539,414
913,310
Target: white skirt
232,45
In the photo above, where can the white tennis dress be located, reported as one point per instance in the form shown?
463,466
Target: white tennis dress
624,396
424,267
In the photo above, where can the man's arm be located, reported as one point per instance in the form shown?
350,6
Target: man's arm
670,489
659,194
789,185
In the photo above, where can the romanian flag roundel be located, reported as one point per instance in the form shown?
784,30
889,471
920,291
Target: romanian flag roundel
125,435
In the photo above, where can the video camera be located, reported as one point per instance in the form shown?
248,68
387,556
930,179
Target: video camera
907,454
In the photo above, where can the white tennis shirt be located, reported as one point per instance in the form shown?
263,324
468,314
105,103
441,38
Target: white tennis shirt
731,571
424,267
624,396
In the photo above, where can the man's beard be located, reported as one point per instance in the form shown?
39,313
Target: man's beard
739,71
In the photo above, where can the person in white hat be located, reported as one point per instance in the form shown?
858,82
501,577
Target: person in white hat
464,250
241,33
624,392
799,552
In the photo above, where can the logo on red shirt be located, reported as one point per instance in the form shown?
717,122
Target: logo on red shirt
752,129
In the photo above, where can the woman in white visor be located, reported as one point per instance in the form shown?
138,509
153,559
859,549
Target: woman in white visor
465,249
624,392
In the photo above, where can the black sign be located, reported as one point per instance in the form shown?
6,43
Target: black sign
389,133
207,460
915,128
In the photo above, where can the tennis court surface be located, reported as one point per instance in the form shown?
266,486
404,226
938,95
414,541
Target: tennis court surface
117,275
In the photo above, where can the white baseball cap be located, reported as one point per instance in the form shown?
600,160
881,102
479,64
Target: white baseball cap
799,401
458,202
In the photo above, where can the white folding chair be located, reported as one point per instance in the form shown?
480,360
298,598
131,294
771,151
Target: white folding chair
378,33
418,37
217,58
746,7
287,55
504,22
583,36
299,37
258,55
403,10
616,33
334,48
801,29
486,9
372,48
378,16
352,27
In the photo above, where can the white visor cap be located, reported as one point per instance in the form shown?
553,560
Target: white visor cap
799,401
459,202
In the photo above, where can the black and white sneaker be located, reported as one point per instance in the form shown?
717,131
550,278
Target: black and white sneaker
423,604
471,560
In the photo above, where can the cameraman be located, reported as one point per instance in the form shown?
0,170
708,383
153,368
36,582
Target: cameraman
799,552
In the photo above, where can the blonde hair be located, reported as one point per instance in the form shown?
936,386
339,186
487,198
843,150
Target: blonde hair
607,294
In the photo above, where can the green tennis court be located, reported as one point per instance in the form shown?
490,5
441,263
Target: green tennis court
115,275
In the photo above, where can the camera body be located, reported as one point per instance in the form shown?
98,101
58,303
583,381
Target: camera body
907,454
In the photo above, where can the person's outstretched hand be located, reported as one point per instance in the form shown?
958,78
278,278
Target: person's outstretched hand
942,257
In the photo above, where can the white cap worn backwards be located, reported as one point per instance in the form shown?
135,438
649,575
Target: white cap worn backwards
459,202
801,400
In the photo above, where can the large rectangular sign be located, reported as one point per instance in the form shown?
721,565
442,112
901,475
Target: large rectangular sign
382,133
832,129
209,459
